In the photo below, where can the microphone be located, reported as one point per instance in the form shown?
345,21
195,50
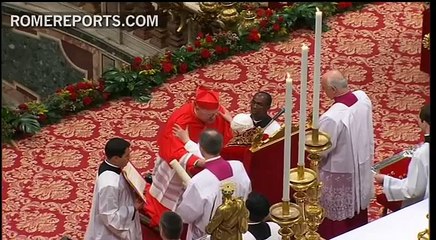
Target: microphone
275,117
278,114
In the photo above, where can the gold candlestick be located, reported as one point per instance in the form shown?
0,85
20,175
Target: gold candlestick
301,179
286,215
424,235
316,143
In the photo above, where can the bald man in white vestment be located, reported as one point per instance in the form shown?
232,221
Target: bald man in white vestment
345,170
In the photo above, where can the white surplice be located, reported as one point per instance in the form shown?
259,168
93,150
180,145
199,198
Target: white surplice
415,187
203,196
346,168
167,186
113,214
273,227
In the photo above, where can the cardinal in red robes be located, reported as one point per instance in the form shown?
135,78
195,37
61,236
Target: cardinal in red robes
202,113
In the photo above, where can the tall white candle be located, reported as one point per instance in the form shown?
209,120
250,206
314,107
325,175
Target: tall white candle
317,69
287,143
303,96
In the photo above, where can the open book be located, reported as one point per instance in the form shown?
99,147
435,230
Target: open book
135,179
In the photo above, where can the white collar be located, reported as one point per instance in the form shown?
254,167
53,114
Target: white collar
256,121
253,223
110,164
213,159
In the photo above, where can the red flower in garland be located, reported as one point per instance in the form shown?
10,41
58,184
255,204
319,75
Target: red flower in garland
205,53
254,36
42,117
71,89
189,49
276,27
87,101
183,68
73,96
280,19
269,13
84,85
209,39
219,49
344,5
167,67
260,12
197,43
23,107
137,61
200,35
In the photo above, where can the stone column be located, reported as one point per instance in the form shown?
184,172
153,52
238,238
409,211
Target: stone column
175,39
159,34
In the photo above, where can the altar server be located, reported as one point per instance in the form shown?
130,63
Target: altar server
114,211
415,187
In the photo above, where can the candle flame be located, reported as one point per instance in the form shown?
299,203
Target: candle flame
317,9
288,76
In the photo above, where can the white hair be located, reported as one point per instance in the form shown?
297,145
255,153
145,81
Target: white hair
338,83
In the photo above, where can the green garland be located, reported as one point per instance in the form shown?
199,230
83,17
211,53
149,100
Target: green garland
145,74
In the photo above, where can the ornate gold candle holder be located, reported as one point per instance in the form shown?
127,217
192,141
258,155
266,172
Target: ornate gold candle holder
287,215
316,143
424,235
301,179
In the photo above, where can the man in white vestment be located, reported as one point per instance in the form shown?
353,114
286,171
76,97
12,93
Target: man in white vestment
203,192
258,227
114,207
345,170
415,187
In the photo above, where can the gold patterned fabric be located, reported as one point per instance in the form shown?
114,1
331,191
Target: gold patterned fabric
47,180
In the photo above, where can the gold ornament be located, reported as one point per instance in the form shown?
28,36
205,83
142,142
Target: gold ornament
231,217
424,235
426,41
248,22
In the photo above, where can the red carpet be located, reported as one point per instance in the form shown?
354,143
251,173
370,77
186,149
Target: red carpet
48,179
